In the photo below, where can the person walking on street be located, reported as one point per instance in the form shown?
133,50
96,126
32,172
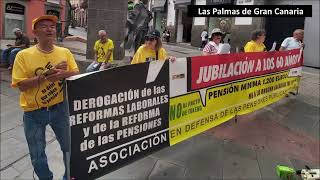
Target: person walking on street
103,49
167,35
39,73
212,47
9,54
295,42
204,38
152,49
256,44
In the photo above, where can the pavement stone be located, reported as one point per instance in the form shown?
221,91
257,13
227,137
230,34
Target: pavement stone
23,165
16,133
10,109
181,153
165,170
11,151
7,90
11,120
138,170
301,164
205,161
282,108
4,75
240,163
27,175
260,130
9,173
55,161
302,117
184,149
267,163
78,31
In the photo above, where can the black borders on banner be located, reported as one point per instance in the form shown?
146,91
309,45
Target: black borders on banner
189,75
193,10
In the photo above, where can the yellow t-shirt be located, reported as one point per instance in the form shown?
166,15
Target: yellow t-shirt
102,49
31,62
252,46
145,54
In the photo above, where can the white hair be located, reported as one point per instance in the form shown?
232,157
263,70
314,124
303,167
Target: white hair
298,31
101,32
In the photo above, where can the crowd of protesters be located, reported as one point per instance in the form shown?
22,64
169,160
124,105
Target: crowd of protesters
256,44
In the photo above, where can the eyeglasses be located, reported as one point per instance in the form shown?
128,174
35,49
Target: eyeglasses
150,38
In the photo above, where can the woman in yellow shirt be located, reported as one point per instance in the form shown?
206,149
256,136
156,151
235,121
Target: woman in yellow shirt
256,44
152,49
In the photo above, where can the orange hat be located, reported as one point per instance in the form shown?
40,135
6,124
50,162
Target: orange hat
44,17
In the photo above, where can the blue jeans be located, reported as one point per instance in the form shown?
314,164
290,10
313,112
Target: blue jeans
95,66
8,55
35,123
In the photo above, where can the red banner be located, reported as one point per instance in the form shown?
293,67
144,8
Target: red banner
217,69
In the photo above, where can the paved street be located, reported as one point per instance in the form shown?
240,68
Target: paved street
283,133
78,31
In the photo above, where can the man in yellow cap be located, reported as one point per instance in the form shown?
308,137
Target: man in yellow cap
39,73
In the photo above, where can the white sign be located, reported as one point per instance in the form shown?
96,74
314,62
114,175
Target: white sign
244,20
200,21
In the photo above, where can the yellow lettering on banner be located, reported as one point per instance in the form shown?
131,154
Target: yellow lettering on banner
224,102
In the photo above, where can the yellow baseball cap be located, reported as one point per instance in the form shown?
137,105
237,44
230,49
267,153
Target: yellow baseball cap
44,17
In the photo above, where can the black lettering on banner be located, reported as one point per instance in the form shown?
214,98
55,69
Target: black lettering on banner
119,123
224,91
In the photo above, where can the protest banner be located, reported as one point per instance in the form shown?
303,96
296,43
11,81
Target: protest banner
123,114
117,116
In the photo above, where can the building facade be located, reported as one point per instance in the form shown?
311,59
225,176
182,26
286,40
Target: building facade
279,28
238,29
112,19
20,13
160,11
79,13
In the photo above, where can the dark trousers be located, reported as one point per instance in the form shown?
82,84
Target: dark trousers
203,44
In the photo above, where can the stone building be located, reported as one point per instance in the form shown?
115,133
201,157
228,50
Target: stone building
188,29
110,15
20,13
80,12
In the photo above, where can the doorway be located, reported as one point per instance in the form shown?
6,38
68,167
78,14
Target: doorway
187,27
279,28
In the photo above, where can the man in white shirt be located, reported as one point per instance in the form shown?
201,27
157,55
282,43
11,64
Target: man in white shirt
295,42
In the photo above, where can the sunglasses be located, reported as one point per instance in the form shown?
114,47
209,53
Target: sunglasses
147,38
